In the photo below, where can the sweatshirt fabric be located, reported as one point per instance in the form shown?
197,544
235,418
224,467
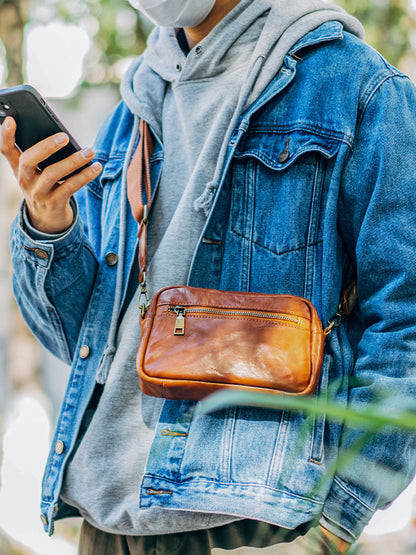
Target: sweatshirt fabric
192,104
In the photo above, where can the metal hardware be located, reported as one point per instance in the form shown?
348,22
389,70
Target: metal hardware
151,491
180,312
335,321
145,214
229,312
172,433
143,300
284,156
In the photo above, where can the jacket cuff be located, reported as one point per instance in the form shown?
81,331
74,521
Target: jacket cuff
344,514
43,245
26,225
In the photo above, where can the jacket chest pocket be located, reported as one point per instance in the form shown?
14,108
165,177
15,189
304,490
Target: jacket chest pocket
279,188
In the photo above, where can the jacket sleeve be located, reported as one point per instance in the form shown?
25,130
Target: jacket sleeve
377,215
52,281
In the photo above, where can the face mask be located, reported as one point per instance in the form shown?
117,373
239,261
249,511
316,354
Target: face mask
175,13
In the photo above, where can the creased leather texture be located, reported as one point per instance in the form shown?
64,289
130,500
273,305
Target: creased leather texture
249,341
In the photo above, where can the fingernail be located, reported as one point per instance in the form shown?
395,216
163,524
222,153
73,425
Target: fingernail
7,123
87,152
60,139
96,167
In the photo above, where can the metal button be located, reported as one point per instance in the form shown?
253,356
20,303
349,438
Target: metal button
178,67
198,50
44,519
59,447
111,258
284,156
84,351
40,253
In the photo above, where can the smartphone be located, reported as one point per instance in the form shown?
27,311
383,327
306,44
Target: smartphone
35,121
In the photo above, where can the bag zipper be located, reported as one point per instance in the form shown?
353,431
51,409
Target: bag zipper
181,311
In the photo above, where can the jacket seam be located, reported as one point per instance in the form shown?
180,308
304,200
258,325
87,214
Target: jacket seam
53,315
236,484
344,487
368,96
312,128
275,252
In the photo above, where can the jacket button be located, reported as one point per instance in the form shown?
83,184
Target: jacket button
44,519
284,156
59,447
84,351
178,67
111,258
40,253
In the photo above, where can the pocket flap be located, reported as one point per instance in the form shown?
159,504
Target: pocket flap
279,150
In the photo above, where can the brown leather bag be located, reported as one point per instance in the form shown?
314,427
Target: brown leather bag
195,341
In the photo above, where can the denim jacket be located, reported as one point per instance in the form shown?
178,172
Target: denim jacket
319,185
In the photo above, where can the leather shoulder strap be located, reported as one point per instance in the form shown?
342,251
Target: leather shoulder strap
138,173
139,194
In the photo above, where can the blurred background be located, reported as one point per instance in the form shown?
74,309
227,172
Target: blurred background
75,53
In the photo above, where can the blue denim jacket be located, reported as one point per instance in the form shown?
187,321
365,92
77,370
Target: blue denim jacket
318,186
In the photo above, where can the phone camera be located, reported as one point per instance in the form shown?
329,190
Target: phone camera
3,114
4,106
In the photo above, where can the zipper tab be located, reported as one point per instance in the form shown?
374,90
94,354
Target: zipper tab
180,320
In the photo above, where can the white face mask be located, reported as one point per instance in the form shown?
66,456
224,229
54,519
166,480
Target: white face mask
175,13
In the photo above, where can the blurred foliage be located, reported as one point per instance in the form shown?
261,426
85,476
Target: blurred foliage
117,31
13,19
389,25
115,28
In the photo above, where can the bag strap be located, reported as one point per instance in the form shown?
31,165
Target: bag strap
139,187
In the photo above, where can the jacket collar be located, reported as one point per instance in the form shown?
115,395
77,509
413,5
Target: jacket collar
326,32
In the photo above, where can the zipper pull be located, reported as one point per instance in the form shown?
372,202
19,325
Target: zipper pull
180,320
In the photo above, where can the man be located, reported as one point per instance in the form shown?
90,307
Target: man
283,163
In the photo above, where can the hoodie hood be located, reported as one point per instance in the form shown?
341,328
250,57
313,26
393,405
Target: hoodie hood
278,29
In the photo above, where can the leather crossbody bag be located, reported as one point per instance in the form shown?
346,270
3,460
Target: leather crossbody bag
195,341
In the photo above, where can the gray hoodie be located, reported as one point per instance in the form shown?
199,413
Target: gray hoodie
192,104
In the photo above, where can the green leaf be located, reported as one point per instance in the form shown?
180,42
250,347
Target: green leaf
372,418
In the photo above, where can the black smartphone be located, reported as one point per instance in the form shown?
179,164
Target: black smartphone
35,121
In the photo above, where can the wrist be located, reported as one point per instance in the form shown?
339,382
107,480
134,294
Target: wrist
52,224
341,545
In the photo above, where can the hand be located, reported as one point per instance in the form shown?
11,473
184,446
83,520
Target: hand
340,544
47,195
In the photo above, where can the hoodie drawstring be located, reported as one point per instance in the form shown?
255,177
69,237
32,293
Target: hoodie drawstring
206,200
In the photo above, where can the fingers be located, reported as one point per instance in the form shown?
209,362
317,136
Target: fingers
54,183
47,193
7,144
74,183
48,201
33,156
60,170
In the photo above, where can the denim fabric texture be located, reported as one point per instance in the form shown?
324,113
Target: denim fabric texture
318,186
